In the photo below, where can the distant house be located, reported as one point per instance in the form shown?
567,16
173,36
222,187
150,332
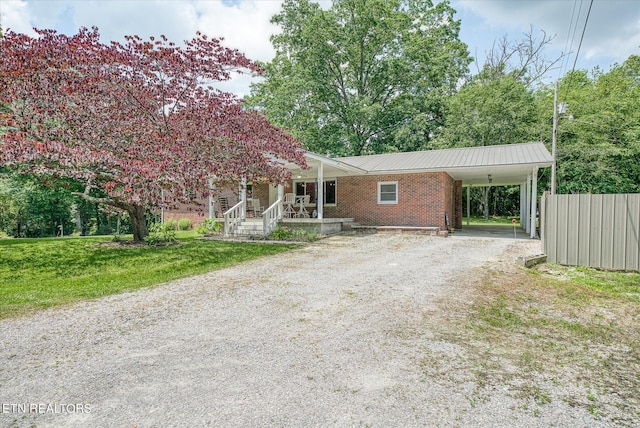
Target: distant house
413,189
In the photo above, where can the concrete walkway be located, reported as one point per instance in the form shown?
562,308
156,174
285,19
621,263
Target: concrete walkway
492,231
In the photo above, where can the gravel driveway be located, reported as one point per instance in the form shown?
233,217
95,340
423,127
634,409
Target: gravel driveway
330,334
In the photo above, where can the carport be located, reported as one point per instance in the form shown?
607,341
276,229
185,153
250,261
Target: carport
502,165
505,165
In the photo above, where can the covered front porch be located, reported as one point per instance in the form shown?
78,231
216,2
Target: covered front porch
300,203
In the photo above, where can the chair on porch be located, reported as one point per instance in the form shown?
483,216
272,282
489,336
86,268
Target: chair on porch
224,204
289,201
256,208
303,200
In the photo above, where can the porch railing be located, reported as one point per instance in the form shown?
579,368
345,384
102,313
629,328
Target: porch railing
234,217
270,217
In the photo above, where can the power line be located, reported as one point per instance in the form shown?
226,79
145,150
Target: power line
565,60
586,20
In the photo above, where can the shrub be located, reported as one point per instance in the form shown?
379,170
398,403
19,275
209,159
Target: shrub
209,226
282,233
170,224
161,234
184,224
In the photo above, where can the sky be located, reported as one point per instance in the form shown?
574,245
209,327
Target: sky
612,31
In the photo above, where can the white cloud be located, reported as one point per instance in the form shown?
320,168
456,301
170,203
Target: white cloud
612,32
244,25
15,15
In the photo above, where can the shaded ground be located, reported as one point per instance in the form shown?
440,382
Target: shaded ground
348,331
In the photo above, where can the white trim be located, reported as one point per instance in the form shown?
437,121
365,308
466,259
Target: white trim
383,183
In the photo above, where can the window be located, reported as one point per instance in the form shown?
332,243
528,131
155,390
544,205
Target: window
303,188
388,192
330,192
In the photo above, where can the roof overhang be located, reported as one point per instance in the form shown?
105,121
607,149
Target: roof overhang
478,166
330,167
499,175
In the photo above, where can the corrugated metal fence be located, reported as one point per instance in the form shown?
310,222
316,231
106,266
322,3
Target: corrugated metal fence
600,231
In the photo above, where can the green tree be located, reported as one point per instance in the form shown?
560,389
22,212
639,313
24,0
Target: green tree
29,209
365,76
498,106
485,113
599,136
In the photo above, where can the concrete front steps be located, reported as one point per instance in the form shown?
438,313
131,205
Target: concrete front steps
250,227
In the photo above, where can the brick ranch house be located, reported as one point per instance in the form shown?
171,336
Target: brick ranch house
413,189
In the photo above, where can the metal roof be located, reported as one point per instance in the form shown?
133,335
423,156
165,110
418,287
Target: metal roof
502,155
478,166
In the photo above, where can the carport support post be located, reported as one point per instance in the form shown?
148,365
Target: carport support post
468,203
527,222
320,197
534,201
523,203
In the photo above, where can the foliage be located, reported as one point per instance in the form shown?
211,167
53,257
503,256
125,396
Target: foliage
131,120
40,273
36,206
485,113
29,209
184,224
210,226
599,136
283,233
161,233
362,77
170,224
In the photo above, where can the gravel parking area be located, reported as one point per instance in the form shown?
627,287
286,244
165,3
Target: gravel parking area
331,334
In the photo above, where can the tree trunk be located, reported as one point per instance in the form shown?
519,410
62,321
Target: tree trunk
136,212
138,222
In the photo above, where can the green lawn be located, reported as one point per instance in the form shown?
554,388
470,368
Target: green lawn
40,273
507,221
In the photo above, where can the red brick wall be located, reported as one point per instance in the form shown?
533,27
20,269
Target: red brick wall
197,213
423,200
261,191
196,217
458,205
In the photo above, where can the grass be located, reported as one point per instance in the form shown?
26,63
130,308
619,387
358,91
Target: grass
532,330
41,273
497,221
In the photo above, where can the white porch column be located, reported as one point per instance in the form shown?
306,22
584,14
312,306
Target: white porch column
527,223
534,201
320,198
243,195
162,207
280,198
211,199
468,204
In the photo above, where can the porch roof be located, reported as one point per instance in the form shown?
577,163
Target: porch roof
507,164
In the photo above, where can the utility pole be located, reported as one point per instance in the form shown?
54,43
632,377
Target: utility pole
553,139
